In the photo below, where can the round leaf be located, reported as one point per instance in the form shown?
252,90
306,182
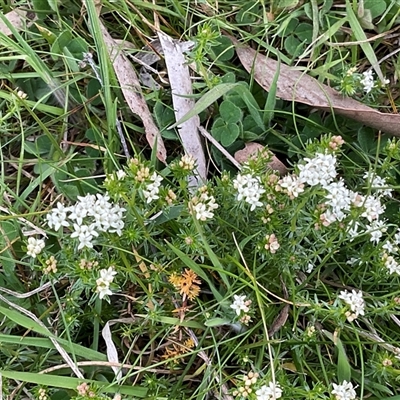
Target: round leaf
292,45
230,113
230,134
304,32
223,51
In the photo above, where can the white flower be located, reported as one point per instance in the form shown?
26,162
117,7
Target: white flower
292,184
204,206
353,261
344,391
103,283
102,288
309,268
355,301
390,247
378,184
240,304
397,237
376,230
85,234
249,188
107,275
111,220
352,231
328,217
152,189
270,392
392,265
319,170
339,198
367,81
373,208
57,217
78,212
35,246
202,212
121,174
357,199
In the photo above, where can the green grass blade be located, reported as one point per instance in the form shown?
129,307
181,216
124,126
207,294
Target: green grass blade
72,383
205,101
360,36
25,321
269,109
80,351
343,365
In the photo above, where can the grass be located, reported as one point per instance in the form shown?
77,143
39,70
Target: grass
165,327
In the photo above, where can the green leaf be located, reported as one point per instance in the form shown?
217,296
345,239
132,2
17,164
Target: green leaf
167,215
287,4
53,5
304,32
360,36
224,50
46,34
229,77
25,321
292,45
77,47
78,350
230,113
270,104
288,27
230,134
218,129
343,365
41,145
251,104
212,322
206,100
366,20
376,7
366,139
71,383
249,13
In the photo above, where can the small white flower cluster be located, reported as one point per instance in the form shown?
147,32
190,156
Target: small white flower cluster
339,199
119,175
292,185
240,304
367,81
203,207
320,170
376,230
392,247
42,394
153,188
249,188
98,214
187,162
35,246
344,391
373,207
103,283
271,243
378,183
271,391
355,301
391,264
249,380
